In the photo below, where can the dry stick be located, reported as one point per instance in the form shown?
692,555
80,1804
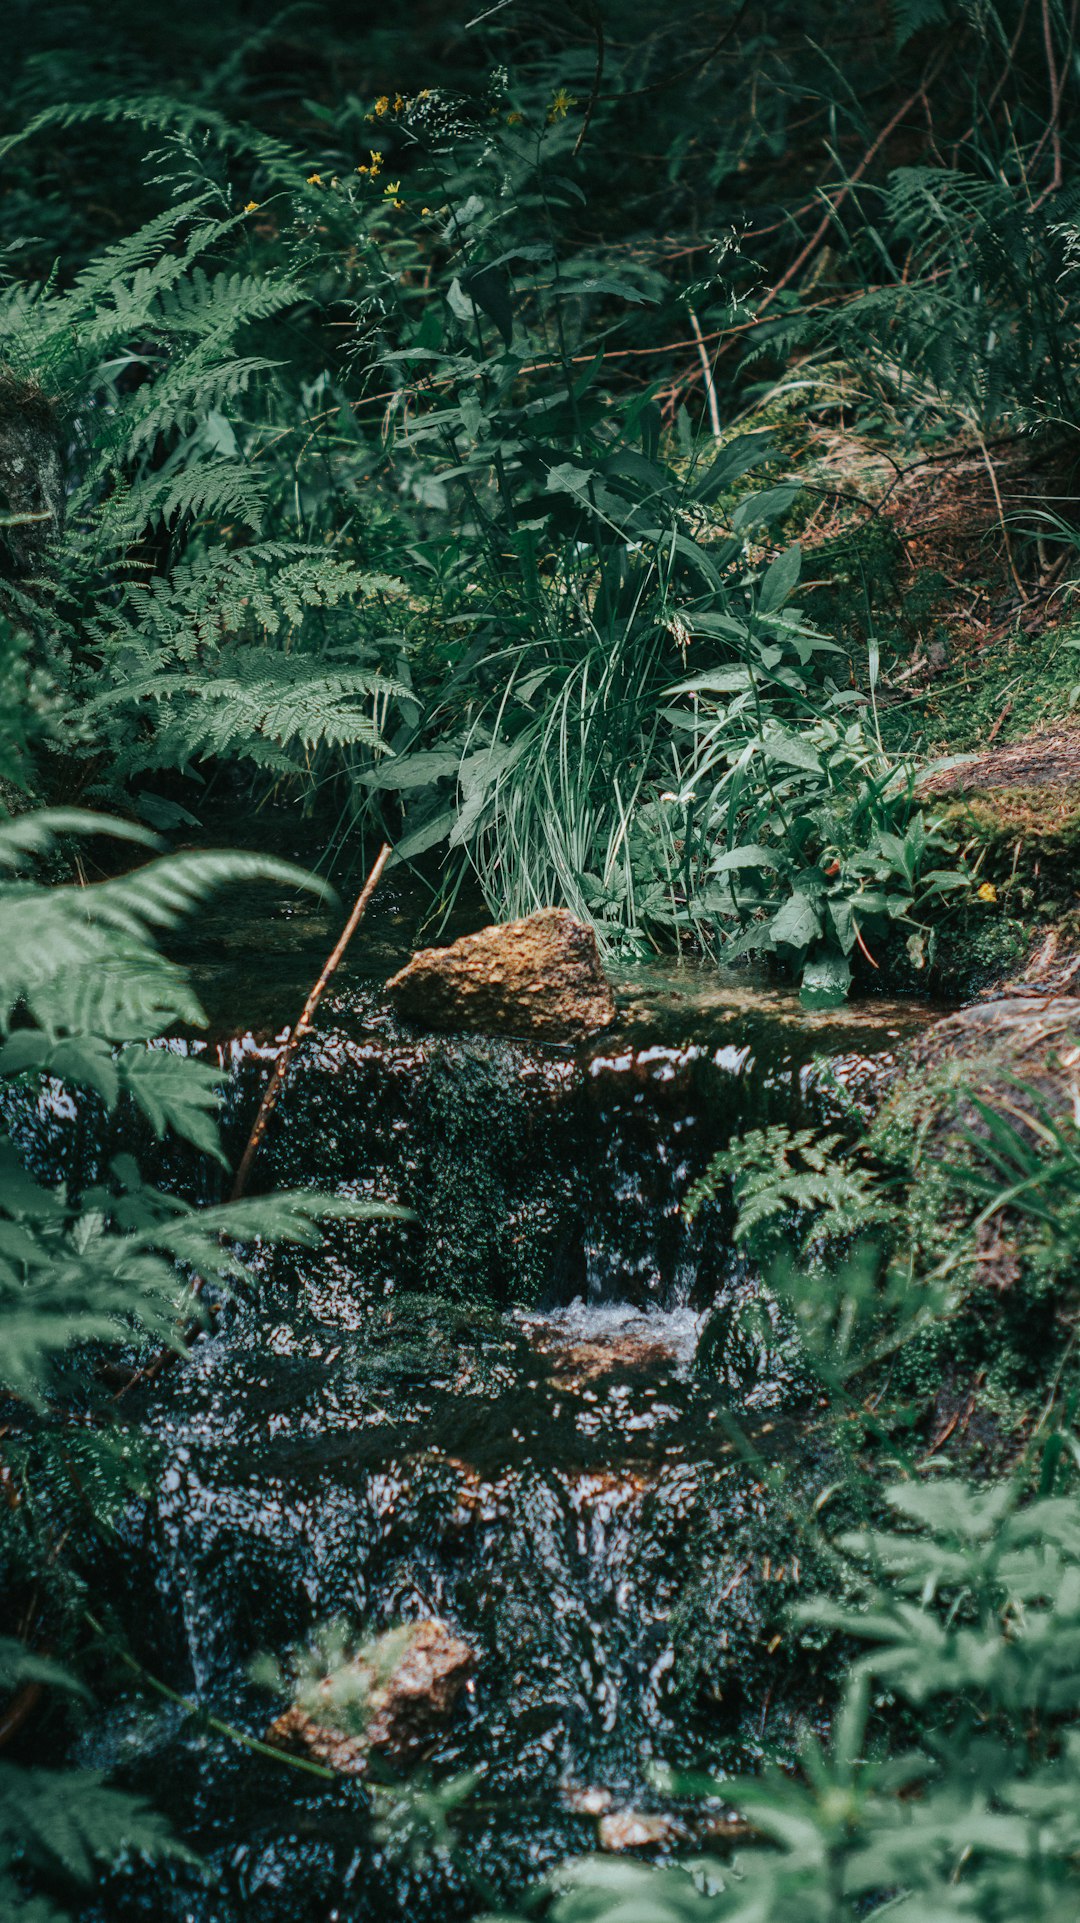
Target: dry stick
598,29
836,201
307,1015
710,384
992,471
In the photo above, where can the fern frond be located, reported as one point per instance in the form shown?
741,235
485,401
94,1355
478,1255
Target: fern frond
255,701
53,939
71,1821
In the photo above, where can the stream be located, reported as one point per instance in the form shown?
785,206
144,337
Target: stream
492,1417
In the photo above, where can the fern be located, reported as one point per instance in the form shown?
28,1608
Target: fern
68,1822
113,1264
255,704
785,1180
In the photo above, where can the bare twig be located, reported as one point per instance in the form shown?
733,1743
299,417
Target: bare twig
303,1025
707,375
992,471
598,29
836,201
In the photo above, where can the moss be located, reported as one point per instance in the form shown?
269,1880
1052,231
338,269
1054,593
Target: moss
1028,826
984,948
1011,1276
1017,684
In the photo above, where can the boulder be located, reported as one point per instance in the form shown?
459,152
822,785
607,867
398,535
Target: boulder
1020,804
1049,759
403,1707
540,977
1022,801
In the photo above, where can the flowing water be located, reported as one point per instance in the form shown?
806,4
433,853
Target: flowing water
491,1417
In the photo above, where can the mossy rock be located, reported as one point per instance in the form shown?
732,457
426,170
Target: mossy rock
979,1096
1017,808
1021,801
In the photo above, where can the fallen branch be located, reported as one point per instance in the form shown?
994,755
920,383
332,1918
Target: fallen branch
304,1024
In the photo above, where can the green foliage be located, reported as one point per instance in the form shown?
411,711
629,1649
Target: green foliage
177,637
84,993
62,1823
784,1181
970,1608
1025,1161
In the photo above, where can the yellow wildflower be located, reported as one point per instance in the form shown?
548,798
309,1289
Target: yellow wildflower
382,106
399,102
560,106
398,206
515,119
376,163
392,188
987,891
314,180
251,207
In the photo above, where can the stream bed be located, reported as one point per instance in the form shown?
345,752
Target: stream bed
491,1417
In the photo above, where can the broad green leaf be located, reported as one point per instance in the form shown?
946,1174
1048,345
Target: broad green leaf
797,924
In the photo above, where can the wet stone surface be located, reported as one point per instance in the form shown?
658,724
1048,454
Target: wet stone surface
490,1419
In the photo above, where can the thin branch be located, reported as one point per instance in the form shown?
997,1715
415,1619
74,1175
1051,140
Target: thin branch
707,375
304,1024
992,471
836,201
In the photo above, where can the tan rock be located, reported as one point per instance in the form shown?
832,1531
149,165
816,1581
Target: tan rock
629,1829
541,976
403,1711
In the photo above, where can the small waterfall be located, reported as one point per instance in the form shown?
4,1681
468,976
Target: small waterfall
493,1417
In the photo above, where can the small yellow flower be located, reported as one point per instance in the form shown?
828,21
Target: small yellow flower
515,119
425,211
560,106
399,102
314,180
376,163
363,170
382,106
398,206
987,891
424,94
251,207
392,189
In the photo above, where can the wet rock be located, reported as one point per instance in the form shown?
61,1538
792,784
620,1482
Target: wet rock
541,977
403,1710
574,1364
629,1829
300,1733
587,1801
31,475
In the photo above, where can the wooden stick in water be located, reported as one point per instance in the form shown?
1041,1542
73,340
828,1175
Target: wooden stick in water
304,1024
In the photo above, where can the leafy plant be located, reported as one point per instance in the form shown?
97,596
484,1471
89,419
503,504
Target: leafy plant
84,993
785,1181
969,1614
